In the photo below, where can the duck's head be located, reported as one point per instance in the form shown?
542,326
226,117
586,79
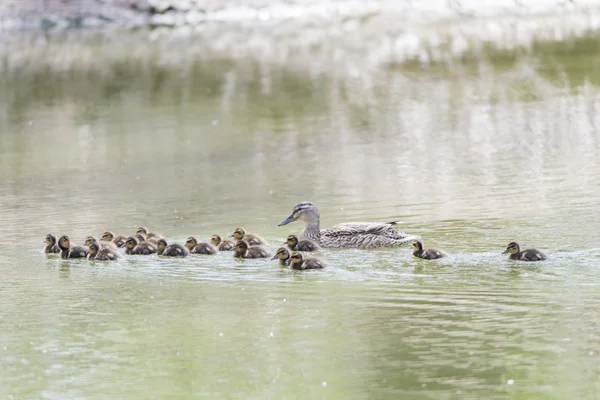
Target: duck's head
140,237
292,241
282,254
215,240
305,211
417,245
241,246
238,234
296,258
191,242
94,248
50,239
141,230
89,240
108,236
161,244
64,242
131,242
512,248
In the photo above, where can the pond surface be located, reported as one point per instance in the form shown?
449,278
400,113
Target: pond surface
469,156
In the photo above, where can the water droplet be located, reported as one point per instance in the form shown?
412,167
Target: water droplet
510,381
284,299
220,333
271,334
324,384
215,122
591,353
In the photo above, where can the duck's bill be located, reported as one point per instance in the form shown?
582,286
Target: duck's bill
505,251
287,220
274,257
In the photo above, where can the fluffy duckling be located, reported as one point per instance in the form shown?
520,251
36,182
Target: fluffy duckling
96,252
68,251
132,246
297,261
301,245
253,240
104,245
426,254
244,250
171,250
199,248
283,255
222,244
51,246
525,255
108,236
149,235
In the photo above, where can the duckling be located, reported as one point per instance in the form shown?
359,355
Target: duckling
199,248
51,246
222,244
525,255
297,261
104,245
283,255
427,254
171,250
348,234
68,251
101,254
108,236
244,250
301,245
253,240
132,246
141,238
149,235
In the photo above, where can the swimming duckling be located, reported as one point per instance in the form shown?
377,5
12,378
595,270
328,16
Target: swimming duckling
222,244
297,261
244,250
141,238
253,240
51,246
525,255
68,251
103,244
427,254
171,250
199,248
133,247
348,234
108,236
283,255
149,235
101,254
301,245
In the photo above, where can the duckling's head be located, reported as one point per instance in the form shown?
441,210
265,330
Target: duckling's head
161,244
50,239
191,242
64,242
282,253
239,233
512,248
140,237
89,240
296,258
215,240
142,230
292,241
305,211
241,246
131,242
417,245
94,248
108,236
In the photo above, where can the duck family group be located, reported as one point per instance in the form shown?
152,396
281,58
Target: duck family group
247,245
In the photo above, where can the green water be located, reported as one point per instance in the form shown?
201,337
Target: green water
469,156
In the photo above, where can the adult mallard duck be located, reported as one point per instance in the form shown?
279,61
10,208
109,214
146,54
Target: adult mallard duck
103,244
133,247
283,255
101,254
301,245
348,234
426,254
222,244
244,250
108,236
298,261
526,255
252,239
171,250
68,251
51,246
196,247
